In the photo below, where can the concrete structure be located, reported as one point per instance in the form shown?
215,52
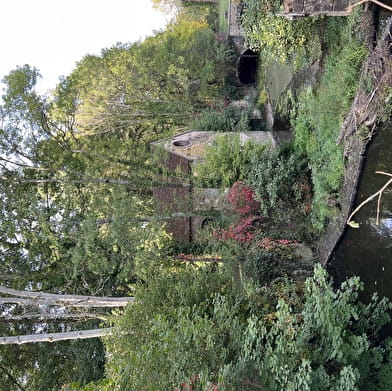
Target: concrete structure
185,205
189,147
235,29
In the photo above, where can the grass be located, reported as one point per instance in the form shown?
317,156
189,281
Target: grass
319,116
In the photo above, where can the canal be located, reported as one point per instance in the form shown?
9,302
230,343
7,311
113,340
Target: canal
367,251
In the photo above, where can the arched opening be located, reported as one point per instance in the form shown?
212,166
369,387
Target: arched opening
206,222
247,67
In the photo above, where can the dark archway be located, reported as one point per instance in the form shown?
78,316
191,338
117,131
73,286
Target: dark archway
247,67
206,222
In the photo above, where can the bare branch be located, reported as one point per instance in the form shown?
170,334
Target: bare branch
54,337
352,223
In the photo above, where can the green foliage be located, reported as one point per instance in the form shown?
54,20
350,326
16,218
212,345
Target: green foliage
274,175
113,252
41,369
75,185
329,345
278,38
190,323
66,227
122,91
176,329
228,119
318,119
263,265
226,161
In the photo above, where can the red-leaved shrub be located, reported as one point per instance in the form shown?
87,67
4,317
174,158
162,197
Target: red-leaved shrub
242,199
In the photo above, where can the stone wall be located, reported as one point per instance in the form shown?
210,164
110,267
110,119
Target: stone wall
369,107
235,29
300,8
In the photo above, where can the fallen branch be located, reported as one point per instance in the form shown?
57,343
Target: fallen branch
354,224
379,3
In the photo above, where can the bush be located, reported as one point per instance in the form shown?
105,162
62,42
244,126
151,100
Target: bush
263,265
273,176
332,342
183,324
242,199
188,328
227,119
226,161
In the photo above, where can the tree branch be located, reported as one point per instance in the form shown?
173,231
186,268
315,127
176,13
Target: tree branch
352,223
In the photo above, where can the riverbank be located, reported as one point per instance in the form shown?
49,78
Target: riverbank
371,105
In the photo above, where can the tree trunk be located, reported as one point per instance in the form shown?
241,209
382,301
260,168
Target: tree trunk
54,337
33,298
51,317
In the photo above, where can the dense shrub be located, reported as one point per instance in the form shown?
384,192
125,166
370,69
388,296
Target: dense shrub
268,260
188,328
226,161
227,119
178,328
242,200
274,175
318,120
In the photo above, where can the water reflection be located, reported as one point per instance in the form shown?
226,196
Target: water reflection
367,251
382,230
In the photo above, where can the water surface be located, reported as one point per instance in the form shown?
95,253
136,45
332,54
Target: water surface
367,250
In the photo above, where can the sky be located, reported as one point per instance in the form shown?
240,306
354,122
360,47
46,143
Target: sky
53,35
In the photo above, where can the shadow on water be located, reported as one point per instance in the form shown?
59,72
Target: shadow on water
367,251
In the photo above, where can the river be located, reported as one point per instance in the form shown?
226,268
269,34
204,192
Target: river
367,251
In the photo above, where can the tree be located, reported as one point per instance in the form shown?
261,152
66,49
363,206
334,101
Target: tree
50,316
75,185
61,159
43,367
167,6
274,338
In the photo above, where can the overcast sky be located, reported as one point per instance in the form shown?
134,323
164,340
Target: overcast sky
53,35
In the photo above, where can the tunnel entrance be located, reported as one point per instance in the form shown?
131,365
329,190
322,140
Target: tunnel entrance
247,67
